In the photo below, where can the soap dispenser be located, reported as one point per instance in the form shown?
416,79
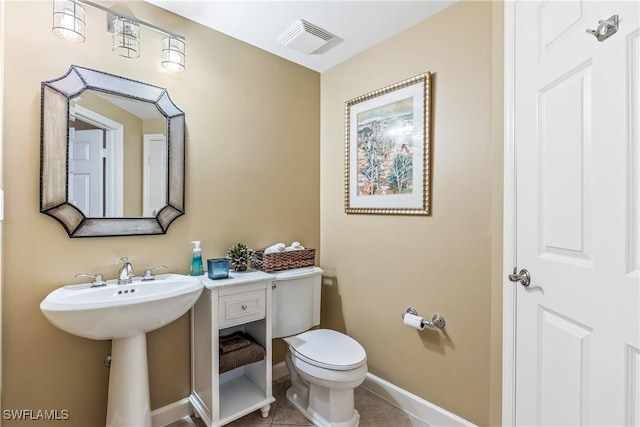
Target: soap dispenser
196,260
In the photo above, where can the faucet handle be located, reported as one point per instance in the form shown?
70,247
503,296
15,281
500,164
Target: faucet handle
148,273
98,279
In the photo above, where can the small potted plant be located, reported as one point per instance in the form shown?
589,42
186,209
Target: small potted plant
239,256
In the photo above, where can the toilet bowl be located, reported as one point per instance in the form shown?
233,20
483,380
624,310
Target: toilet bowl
325,366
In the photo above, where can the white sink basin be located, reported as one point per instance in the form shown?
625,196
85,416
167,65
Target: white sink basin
120,311
123,314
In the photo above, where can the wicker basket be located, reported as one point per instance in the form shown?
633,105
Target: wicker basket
284,260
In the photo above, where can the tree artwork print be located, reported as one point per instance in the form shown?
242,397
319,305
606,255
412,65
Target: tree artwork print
385,146
387,150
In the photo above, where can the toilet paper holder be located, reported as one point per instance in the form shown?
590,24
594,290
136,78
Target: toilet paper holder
437,321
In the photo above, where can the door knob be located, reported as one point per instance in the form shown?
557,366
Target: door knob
523,277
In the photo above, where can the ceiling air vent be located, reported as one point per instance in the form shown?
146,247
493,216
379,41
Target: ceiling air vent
305,37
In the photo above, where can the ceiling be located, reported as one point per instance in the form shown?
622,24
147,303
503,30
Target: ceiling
357,25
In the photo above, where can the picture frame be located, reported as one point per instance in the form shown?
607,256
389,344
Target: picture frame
387,150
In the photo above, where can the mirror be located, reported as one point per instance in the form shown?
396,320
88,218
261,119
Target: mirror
112,155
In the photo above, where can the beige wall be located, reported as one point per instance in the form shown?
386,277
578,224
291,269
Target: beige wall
497,198
253,125
441,263
2,38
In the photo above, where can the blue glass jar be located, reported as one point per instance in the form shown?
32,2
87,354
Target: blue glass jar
218,268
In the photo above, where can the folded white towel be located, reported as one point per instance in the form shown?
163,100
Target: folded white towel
278,247
295,246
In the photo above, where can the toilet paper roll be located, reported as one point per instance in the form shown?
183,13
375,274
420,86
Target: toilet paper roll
413,321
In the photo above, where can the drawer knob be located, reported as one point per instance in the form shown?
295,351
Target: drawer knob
244,306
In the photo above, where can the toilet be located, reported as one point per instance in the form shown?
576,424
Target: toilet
325,366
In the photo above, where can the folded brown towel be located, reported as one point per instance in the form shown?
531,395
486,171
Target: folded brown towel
233,342
232,360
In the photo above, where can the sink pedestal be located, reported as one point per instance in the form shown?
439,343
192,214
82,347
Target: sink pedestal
128,403
124,314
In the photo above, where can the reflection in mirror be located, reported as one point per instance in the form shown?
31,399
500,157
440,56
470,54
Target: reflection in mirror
112,155
115,140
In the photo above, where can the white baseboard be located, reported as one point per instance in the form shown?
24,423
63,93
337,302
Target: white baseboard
171,413
412,404
408,402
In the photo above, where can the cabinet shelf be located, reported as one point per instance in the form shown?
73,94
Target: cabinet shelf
240,396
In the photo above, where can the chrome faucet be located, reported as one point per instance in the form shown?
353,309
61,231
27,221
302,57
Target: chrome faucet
126,272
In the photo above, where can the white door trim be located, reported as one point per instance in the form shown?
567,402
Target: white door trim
509,218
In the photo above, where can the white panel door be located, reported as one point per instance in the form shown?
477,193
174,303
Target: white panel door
578,233
155,174
86,171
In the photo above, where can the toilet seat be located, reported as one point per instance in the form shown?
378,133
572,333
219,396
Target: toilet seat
328,349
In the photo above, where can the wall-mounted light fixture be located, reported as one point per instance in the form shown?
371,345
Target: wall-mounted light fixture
69,23
173,53
126,37
68,20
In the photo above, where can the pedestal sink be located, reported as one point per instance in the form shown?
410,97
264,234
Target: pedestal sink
123,314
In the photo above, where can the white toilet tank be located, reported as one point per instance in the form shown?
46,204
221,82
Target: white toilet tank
295,302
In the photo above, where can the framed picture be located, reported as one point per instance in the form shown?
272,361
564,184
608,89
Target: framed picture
387,159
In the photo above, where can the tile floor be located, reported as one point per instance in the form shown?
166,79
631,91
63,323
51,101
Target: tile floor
374,412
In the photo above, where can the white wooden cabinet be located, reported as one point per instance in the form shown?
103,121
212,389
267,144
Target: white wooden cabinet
240,303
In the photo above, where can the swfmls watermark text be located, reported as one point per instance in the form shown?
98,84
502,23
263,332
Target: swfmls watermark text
36,414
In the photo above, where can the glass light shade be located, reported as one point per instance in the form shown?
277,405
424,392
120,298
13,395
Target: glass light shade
173,56
126,38
68,20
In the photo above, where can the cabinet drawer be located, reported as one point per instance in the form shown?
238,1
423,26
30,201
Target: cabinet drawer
243,307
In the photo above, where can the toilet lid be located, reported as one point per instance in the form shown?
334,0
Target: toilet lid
328,349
